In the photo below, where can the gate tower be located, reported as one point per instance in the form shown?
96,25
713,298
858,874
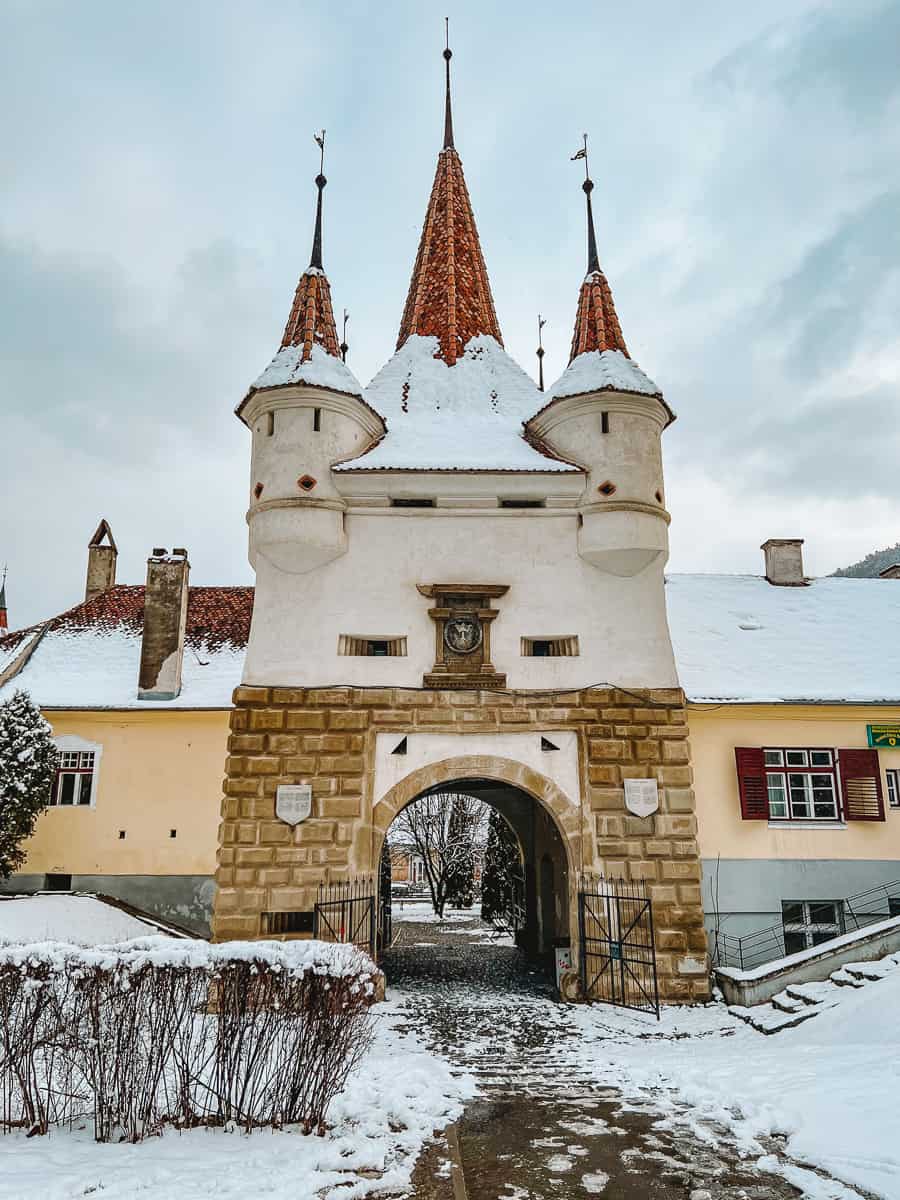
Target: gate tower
459,582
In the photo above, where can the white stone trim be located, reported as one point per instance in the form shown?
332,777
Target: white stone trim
423,749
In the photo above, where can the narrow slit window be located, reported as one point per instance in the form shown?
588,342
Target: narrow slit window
604,422
516,503
552,647
317,420
358,646
411,502
270,424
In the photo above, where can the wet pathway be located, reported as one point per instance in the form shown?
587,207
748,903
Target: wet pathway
542,1127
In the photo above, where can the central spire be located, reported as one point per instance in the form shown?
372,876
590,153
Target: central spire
449,294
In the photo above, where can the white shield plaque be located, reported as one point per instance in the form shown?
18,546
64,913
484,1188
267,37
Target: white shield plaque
641,796
293,802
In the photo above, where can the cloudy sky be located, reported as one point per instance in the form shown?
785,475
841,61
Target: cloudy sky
157,203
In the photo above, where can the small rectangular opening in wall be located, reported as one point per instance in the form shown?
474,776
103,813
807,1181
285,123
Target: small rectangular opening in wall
555,647
604,422
288,922
317,420
270,424
58,883
365,646
173,833
121,835
411,502
516,503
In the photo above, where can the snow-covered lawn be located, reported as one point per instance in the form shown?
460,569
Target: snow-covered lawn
422,913
84,920
390,1107
829,1087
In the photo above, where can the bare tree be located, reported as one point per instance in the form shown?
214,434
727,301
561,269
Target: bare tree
443,829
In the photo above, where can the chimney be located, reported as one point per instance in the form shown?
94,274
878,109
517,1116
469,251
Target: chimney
165,617
891,572
101,568
784,562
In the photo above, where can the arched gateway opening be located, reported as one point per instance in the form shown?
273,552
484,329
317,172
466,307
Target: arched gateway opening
544,821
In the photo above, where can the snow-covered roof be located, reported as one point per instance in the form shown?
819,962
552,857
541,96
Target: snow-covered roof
89,656
465,417
83,919
319,370
597,370
738,638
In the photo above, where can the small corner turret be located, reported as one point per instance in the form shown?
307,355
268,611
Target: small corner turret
306,413
607,415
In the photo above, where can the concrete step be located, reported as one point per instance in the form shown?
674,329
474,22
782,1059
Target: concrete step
813,993
766,1019
843,978
787,1003
871,971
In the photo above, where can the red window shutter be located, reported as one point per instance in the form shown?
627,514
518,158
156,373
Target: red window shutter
861,785
751,772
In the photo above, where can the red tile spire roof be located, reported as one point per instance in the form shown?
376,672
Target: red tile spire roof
596,323
449,293
312,316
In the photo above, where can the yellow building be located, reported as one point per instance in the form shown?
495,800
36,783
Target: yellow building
784,684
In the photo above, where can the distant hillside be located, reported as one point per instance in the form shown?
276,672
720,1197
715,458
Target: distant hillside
872,565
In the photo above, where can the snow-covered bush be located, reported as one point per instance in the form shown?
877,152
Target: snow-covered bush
160,1031
27,767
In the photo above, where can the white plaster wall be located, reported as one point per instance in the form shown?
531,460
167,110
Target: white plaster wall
423,749
371,591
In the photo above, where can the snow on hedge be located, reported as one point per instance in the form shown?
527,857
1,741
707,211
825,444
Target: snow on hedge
340,960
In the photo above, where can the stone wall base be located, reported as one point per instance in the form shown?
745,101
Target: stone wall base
326,737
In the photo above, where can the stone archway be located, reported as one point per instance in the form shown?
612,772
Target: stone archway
564,813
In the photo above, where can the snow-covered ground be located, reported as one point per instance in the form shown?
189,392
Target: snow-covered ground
390,1107
84,920
828,1087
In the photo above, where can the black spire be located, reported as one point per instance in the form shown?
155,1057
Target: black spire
315,259
448,112
587,187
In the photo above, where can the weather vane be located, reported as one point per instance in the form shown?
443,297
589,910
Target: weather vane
540,352
320,142
344,347
582,153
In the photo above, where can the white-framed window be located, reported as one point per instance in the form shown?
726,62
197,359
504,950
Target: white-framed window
75,785
893,787
801,784
807,923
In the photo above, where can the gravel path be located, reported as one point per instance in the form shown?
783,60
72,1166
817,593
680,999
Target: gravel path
542,1127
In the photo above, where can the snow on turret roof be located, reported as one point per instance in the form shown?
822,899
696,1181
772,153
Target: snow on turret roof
464,417
602,370
313,366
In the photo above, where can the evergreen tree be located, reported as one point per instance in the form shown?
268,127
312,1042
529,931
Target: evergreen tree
501,880
27,768
461,873
872,565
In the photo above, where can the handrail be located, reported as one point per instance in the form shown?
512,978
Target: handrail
763,945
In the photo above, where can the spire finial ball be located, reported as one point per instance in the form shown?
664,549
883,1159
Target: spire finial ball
588,186
320,181
448,54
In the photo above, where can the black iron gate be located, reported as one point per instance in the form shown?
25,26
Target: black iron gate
345,912
618,958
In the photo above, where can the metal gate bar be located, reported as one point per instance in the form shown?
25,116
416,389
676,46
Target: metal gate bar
345,912
618,957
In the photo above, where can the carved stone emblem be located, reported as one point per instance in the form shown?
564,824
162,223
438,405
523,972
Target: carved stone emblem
641,796
293,802
463,634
